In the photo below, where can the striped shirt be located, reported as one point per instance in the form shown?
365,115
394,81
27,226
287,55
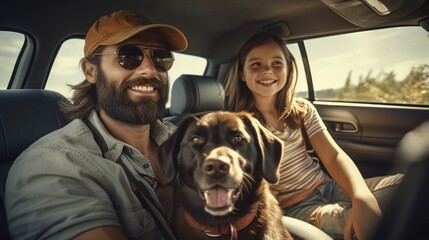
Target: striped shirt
300,175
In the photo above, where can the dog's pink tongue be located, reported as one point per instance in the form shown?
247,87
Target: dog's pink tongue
217,197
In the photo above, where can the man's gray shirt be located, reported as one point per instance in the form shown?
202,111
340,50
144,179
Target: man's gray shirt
62,185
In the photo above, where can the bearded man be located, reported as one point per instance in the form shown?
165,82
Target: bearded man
66,186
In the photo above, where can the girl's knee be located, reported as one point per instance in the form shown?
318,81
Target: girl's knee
378,183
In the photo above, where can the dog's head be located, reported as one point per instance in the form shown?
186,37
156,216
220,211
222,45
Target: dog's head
218,156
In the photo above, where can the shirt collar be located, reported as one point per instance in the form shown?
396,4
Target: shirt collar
159,132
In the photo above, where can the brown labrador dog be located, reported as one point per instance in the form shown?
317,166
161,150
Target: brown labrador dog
221,163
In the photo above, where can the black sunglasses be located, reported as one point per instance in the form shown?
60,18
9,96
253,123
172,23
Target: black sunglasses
131,56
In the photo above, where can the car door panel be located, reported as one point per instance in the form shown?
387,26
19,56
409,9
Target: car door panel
370,133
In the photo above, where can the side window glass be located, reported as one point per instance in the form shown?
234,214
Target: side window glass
379,66
10,46
66,70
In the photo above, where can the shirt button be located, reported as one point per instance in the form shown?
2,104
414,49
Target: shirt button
146,165
128,150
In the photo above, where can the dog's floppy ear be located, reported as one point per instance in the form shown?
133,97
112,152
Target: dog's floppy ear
269,146
168,151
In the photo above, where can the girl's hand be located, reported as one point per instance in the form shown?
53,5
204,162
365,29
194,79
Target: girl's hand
364,216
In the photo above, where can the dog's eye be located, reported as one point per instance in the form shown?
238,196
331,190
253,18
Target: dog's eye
197,140
237,138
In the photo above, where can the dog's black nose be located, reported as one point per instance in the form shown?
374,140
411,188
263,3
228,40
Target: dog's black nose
215,167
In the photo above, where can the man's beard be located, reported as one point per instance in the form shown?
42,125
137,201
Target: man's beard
116,103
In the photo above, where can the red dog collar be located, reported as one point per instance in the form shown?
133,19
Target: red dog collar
216,231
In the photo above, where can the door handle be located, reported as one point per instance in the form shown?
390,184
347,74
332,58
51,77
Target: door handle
345,127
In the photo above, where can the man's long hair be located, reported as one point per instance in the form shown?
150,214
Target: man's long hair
84,98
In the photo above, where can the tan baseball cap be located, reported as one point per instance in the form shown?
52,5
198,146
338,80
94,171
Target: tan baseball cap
124,24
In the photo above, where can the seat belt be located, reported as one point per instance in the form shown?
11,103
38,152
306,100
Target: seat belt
138,188
310,149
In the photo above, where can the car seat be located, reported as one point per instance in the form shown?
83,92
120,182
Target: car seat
192,94
25,116
407,216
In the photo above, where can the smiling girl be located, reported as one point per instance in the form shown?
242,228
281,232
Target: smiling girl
340,202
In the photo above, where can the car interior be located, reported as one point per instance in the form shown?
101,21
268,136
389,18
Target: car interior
379,136
407,216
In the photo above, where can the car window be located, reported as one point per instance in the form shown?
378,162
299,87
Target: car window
378,66
66,70
10,45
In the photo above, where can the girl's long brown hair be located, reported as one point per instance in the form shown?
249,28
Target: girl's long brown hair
240,98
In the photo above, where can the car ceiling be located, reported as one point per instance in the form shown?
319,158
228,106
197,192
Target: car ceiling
210,25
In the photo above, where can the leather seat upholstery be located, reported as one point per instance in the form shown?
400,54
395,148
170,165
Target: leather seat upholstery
25,116
193,94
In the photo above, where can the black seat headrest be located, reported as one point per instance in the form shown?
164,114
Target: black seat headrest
25,116
195,94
